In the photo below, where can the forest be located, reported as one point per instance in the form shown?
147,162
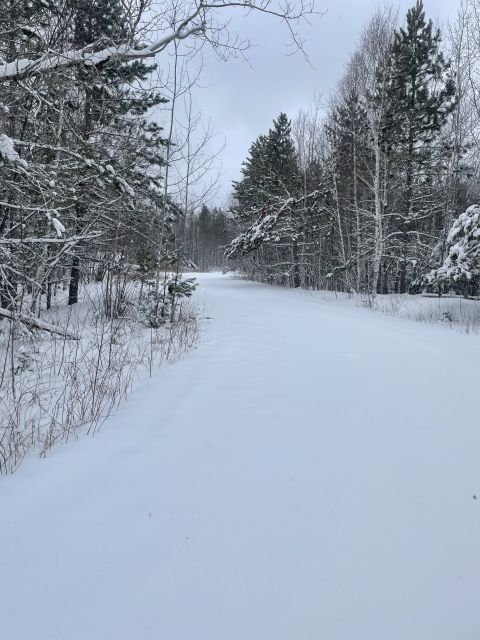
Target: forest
105,172
239,403
375,189
108,182
361,191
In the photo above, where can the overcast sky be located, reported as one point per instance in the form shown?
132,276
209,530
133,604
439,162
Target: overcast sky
241,101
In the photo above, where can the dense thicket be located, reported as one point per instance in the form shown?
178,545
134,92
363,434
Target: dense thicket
360,194
80,183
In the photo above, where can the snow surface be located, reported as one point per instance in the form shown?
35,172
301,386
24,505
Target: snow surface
307,473
8,153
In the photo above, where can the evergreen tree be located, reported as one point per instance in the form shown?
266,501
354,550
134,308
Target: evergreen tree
87,158
283,175
420,94
271,169
113,111
251,191
461,266
25,112
271,176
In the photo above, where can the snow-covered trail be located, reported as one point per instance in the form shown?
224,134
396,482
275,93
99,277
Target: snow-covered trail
307,473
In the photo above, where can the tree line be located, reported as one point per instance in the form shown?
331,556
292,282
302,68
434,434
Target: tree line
103,161
97,166
364,193
204,236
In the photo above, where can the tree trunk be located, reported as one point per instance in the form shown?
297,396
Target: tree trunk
378,247
74,281
296,266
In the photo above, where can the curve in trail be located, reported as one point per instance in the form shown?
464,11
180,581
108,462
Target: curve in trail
306,473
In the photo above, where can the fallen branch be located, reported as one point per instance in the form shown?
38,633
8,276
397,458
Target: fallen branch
37,324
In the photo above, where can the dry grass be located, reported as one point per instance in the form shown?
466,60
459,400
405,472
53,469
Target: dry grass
52,389
454,313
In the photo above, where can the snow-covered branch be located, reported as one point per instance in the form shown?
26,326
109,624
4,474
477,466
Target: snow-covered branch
275,222
57,240
52,61
198,22
35,323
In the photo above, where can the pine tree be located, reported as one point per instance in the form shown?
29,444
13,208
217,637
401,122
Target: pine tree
420,95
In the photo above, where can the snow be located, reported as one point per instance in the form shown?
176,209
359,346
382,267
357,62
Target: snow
464,249
8,155
272,227
308,472
50,61
58,226
124,186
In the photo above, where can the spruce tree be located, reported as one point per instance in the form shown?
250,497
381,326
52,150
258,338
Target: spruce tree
271,176
283,177
461,266
271,169
251,191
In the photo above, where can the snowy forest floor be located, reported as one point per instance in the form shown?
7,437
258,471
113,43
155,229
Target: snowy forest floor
54,388
308,472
